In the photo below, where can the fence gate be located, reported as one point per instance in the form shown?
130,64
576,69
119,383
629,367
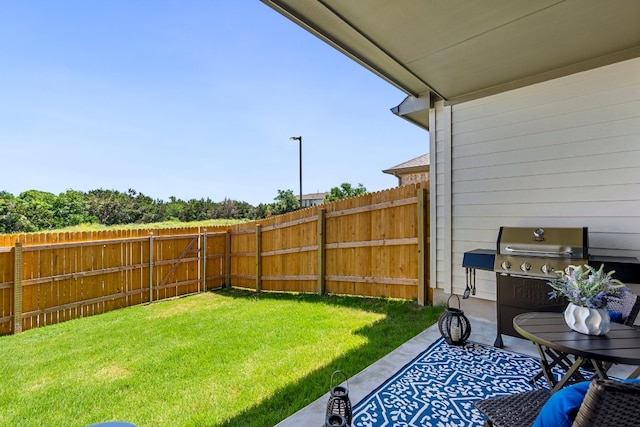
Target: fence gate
175,266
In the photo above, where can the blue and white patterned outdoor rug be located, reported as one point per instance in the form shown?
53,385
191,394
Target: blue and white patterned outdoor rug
439,386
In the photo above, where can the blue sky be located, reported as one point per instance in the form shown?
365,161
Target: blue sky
191,99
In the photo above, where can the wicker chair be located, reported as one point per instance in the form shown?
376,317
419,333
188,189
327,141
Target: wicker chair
629,306
607,403
515,410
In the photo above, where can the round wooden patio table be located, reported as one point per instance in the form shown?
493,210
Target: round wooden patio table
560,346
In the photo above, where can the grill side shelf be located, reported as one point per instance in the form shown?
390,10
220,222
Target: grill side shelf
479,259
627,269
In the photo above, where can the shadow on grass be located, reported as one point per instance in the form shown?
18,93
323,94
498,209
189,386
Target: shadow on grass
403,320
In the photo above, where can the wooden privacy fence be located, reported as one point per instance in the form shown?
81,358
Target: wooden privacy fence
81,274
373,245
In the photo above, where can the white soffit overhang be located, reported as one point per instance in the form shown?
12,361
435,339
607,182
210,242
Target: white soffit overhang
460,50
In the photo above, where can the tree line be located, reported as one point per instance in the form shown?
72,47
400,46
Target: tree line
35,210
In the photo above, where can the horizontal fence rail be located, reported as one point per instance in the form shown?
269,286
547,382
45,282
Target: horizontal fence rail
373,245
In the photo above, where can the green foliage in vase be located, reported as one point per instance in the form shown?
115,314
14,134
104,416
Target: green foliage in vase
587,287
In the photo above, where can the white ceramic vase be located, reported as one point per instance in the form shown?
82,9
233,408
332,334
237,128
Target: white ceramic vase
590,321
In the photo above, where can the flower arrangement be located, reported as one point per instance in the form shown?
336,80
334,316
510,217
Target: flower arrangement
587,287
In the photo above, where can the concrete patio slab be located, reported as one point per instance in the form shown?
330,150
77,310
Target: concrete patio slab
363,383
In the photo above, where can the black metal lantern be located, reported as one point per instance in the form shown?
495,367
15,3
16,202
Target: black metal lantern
454,326
335,420
339,406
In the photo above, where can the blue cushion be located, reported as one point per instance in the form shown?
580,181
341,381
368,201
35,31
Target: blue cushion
113,424
562,407
615,316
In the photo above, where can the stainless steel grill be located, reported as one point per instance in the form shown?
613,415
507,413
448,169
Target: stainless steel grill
526,259
540,252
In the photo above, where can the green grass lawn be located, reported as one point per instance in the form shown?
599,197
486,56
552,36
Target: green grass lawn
225,358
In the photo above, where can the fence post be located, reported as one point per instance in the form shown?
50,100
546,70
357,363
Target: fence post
227,259
150,267
203,260
321,251
17,288
258,257
422,247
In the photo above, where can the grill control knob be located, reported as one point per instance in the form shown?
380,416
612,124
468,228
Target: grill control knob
546,269
525,267
506,265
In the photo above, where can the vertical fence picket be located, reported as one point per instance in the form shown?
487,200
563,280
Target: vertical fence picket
203,260
258,257
227,259
423,253
6,290
321,251
150,267
17,288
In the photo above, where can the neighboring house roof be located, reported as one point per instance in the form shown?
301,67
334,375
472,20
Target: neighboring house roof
314,196
458,50
419,164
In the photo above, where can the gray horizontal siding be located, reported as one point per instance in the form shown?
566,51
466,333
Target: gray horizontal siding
560,153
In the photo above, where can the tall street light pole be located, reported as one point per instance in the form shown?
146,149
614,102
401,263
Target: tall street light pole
299,139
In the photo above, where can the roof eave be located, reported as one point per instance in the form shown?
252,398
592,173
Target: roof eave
392,71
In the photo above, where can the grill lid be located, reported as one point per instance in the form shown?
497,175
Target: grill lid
548,242
540,252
